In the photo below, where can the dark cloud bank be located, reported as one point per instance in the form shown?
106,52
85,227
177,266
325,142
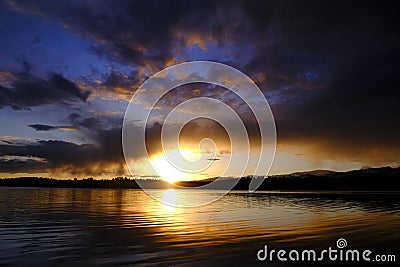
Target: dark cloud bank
27,91
329,69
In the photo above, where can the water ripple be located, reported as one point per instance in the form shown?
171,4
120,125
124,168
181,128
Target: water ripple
125,227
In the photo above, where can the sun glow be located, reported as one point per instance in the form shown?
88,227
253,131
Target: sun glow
167,171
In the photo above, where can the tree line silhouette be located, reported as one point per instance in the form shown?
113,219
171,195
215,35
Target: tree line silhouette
372,179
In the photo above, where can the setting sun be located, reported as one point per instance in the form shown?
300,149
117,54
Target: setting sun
167,171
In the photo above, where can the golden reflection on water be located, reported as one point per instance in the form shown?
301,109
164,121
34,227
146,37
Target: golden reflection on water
170,196
236,217
130,223
241,217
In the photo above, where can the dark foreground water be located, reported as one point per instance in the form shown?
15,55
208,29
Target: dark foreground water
74,227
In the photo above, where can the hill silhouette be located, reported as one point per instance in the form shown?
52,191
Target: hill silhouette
365,179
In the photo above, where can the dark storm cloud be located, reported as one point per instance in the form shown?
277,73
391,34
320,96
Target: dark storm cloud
141,33
44,127
350,53
90,159
117,85
356,115
94,123
118,80
74,116
102,154
91,123
16,165
329,69
27,91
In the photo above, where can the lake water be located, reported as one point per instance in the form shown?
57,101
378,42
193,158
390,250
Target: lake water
78,227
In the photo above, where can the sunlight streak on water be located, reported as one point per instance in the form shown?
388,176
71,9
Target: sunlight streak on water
125,227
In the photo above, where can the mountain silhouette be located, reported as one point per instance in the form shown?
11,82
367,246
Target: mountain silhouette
365,179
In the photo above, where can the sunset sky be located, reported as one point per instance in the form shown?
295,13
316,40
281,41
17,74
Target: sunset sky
68,69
